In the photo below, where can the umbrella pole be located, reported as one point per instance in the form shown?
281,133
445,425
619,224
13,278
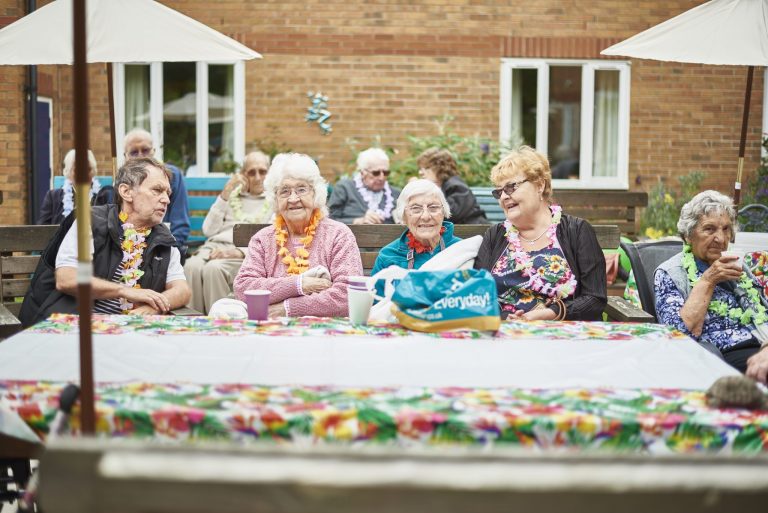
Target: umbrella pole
83,213
112,127
743,141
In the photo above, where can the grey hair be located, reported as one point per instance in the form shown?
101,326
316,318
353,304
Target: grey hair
296,166
366,156
69,164
134,172
256,154
414,188
137,132
703,204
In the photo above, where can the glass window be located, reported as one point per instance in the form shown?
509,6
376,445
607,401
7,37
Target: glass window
137,97
194,111
576,112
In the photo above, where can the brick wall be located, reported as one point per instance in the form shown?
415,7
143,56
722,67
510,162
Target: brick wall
391,66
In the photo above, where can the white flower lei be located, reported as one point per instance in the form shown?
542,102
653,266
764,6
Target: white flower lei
367,195
236,205
68,200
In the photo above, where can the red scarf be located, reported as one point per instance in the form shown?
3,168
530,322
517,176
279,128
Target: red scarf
417,246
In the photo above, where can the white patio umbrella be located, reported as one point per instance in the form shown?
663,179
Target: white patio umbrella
71,32
720,32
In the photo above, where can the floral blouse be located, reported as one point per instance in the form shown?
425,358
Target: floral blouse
519,292
723,332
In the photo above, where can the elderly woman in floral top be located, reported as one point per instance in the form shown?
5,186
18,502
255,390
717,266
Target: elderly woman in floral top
547,265
705,294
305,258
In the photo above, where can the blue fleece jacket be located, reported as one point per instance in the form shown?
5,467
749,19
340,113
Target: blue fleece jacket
178,210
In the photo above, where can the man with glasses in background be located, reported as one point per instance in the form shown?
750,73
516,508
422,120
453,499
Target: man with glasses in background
138,143
211,271
366,198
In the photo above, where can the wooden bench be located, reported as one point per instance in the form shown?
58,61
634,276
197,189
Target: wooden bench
371,238
598,207
201,194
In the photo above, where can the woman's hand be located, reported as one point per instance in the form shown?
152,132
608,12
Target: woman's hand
370,217
725,268
225,253
757,366
237,179
537,314
144,310
311,284
276,310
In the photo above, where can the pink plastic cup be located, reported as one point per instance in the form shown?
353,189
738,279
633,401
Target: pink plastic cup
257,302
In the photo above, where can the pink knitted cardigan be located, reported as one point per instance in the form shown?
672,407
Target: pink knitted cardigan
333,246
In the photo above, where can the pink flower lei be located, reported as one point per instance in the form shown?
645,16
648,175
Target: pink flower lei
524,263
367,195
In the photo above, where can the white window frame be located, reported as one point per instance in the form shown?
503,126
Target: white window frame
156,110
586,180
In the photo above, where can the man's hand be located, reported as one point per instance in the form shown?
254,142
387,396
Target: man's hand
370,217
237,179
276,310
726,268
757,366
311,284
226,253
147,297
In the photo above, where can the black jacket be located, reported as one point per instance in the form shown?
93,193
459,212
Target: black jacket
42,298
52,210
464,207
584,255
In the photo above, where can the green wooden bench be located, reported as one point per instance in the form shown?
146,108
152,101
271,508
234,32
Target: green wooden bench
371,238
598,207
201,194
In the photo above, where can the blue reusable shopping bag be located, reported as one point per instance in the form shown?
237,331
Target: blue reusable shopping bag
443,300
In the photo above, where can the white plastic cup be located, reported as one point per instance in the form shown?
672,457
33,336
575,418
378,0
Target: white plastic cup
360,301
737,254
257,302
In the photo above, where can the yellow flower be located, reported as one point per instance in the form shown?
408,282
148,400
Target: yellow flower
653,233
668,199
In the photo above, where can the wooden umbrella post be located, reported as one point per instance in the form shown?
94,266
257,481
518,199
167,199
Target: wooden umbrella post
112,129
743,141
83,213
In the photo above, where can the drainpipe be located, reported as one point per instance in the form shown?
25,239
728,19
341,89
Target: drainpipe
30,89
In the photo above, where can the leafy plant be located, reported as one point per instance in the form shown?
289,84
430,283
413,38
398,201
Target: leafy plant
663,210
756,192
475,155
271,144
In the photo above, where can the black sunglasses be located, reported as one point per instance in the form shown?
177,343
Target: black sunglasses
509,188
379,172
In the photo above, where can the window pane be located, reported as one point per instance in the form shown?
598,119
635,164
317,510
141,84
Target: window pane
221,117
180,114
136,97
524,91
564,121
605,152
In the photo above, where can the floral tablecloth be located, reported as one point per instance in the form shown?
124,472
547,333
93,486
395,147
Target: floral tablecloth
650,420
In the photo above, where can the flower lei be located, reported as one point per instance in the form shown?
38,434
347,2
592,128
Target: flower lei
133,245
299,263
68,200
367,195
720,307
524,263
237,207
416,245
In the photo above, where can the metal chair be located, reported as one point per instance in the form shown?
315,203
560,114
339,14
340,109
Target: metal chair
645,257
753,216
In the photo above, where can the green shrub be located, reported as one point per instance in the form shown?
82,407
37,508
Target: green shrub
475,155
756,192
663,210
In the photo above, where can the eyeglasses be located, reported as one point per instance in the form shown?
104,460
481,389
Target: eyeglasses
508,188
417,210
378,172
252,172
301,190
146,151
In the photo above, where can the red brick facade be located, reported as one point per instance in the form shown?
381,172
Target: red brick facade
390,67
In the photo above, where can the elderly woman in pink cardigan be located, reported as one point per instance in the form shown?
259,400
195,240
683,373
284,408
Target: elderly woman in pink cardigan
304,258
